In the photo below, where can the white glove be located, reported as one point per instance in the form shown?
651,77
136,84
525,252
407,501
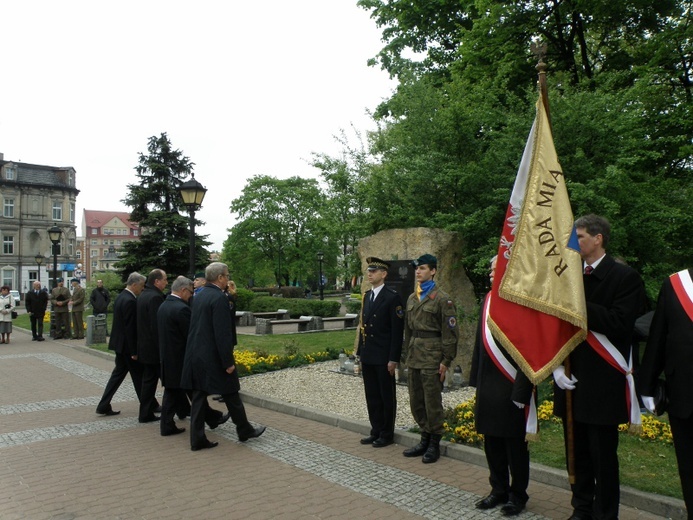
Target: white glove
519,405
648,402
562,380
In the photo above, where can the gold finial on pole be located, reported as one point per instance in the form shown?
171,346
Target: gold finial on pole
538,49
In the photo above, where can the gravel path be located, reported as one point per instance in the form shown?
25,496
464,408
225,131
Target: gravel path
320,386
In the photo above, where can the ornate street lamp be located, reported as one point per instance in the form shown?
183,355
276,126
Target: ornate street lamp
192,193
54,234
321,255
39,261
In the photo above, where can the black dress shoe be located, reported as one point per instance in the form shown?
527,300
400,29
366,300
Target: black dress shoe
512,508
490,501
207,445
157,409
172,431
218,398
382,442
41,338
578,516
255,433
110,411
151,418
34,339
369,440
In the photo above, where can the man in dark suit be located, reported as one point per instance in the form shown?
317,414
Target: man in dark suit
502,395
148,355
380,336
209,366
124,342
670,350
614,294
36,302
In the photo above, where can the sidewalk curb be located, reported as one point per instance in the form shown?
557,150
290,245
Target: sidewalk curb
665,507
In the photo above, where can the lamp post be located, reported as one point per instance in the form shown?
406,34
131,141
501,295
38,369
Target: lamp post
192,193
321,255
54,234
39,261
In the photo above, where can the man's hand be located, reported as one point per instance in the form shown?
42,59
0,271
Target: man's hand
231,369
562,380
519,405
649,403
391,367
442,369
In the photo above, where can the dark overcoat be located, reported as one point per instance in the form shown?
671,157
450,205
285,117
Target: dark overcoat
670,350
209,351
382,328
615,297
496,414
124,329
173,321
147,329
36,303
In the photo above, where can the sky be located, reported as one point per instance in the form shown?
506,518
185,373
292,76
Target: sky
241,88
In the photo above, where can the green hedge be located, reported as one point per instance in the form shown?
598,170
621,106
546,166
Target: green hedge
353,306
244,297
296,306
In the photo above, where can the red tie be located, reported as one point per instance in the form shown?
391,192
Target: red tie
588,270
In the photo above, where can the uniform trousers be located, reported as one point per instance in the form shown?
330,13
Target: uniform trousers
77,324
503,454
62,325
426,399
381,400
123,364
682,431
201,413
596,492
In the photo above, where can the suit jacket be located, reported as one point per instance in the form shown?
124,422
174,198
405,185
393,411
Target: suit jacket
173,322
496,414
670,350
615,297
60,294
36,303
124,329
78,296
147,329
381,330
209,351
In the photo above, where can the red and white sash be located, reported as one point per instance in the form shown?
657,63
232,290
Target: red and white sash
506,368
601,344
683,287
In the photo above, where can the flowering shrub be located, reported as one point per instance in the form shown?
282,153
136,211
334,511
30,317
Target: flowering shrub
460,427
251,362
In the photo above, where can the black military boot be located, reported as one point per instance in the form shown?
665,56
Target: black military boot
433,452
420,448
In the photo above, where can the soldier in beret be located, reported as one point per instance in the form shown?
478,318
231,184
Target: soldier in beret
380,335
60,297
430,345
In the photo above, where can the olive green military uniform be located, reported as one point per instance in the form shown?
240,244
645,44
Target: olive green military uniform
430,339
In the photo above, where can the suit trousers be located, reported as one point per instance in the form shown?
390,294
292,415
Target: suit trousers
123,365
36,325
175,400
596,492
682,431
503,454
202,413
426,399
381,400
150,381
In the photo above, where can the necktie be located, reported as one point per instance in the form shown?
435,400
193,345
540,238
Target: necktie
588,270
372,296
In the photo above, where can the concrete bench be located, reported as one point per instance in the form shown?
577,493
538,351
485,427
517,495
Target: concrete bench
265,326
349,320
279,314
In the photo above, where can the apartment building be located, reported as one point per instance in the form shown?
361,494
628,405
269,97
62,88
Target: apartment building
105,233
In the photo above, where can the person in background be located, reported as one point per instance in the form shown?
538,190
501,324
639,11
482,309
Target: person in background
100,298
430,345
36,302
6,307
60,297
670,351
199,282
380,336
77,299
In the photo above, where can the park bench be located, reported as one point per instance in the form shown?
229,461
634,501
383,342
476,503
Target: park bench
349,320
279,314
265,326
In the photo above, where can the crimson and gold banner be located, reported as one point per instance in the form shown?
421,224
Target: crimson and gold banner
537,309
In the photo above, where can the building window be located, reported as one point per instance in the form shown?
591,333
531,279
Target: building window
94,242
135,232
8,245
10,173
94,253
72,211
94,264
7,277
79,254
94,231
57,210
71,247
8,208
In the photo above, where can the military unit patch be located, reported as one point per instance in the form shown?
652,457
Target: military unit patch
452,322
399,311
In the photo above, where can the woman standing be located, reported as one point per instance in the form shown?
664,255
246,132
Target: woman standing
6,308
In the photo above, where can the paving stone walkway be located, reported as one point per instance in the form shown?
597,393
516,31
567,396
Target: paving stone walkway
59,460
